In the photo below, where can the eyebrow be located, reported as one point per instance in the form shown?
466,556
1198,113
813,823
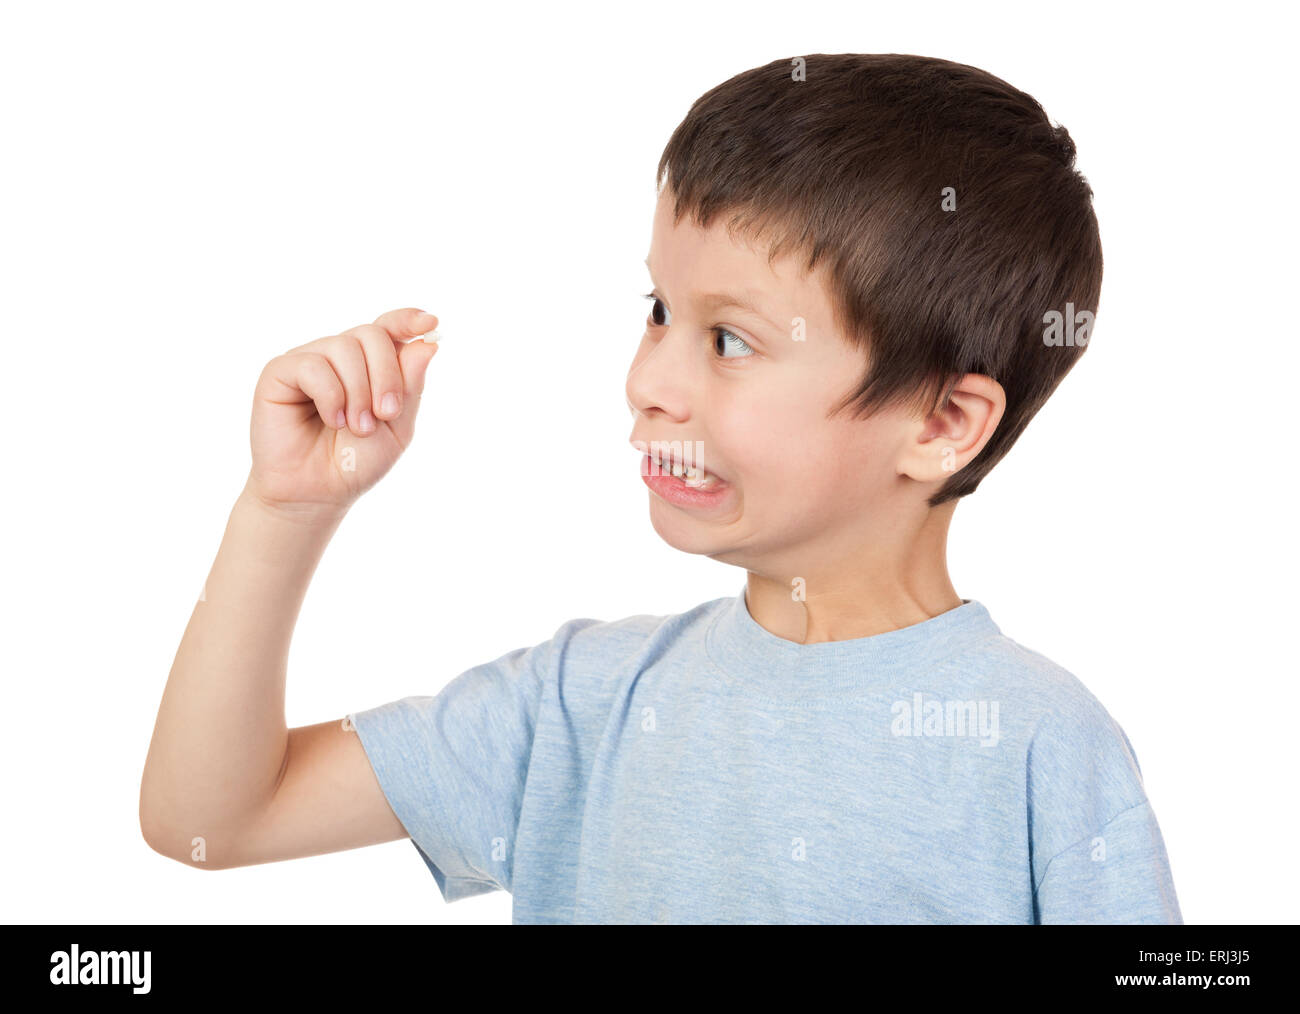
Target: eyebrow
744,299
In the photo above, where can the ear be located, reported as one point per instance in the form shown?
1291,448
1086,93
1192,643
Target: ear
949,438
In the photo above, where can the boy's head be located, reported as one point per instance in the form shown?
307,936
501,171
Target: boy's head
904,229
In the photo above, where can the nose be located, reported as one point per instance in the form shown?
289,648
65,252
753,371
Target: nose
660,378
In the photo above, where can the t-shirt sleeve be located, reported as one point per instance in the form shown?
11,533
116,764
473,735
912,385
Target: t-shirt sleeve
1097,853
453,766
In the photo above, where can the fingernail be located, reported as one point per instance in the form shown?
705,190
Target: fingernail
389,404
367,421
340,420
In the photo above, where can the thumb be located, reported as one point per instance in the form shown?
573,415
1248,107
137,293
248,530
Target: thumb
413,358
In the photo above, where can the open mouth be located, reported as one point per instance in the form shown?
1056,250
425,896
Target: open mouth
690,474
691,489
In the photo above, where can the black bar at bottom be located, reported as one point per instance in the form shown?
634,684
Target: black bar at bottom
590,966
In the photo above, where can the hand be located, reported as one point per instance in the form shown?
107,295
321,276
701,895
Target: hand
331,417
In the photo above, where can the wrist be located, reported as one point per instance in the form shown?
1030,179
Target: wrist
315,516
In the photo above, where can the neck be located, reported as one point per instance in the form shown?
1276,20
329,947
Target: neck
862,591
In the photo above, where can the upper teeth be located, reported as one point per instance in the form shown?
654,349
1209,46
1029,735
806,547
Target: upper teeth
678,469
693,475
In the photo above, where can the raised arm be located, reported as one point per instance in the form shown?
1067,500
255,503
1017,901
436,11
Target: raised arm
226,783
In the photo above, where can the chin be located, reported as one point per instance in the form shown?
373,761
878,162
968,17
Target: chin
682,532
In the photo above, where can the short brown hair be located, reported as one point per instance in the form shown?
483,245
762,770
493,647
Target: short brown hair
850,165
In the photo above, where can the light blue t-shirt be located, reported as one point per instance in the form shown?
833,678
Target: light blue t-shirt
696,768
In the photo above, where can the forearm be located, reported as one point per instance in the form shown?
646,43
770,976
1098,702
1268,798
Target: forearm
220,738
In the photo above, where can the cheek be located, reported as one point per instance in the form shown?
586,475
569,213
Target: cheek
764,441
859,467
782,445
829,470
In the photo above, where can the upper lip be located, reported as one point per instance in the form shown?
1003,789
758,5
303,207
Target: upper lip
664,449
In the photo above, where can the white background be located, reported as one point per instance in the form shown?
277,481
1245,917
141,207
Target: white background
189,190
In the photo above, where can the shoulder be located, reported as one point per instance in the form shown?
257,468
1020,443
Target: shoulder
589,644
1036,683
1064,730
1053,702
586,635
1078,759
1073,720
1080,770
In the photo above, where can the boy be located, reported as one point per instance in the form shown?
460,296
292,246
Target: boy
869,272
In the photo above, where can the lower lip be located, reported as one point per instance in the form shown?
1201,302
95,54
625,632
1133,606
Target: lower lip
669,487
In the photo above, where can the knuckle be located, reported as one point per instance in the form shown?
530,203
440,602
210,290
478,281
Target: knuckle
351,368
369,331
318,369
344,344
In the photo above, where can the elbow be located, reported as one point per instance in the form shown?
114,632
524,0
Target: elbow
149,828
170,843
176,831
158,837
154,839
152,830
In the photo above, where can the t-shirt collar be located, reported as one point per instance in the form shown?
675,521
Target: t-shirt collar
786,670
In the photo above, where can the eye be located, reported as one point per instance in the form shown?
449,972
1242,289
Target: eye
722,338
722,334
658,312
